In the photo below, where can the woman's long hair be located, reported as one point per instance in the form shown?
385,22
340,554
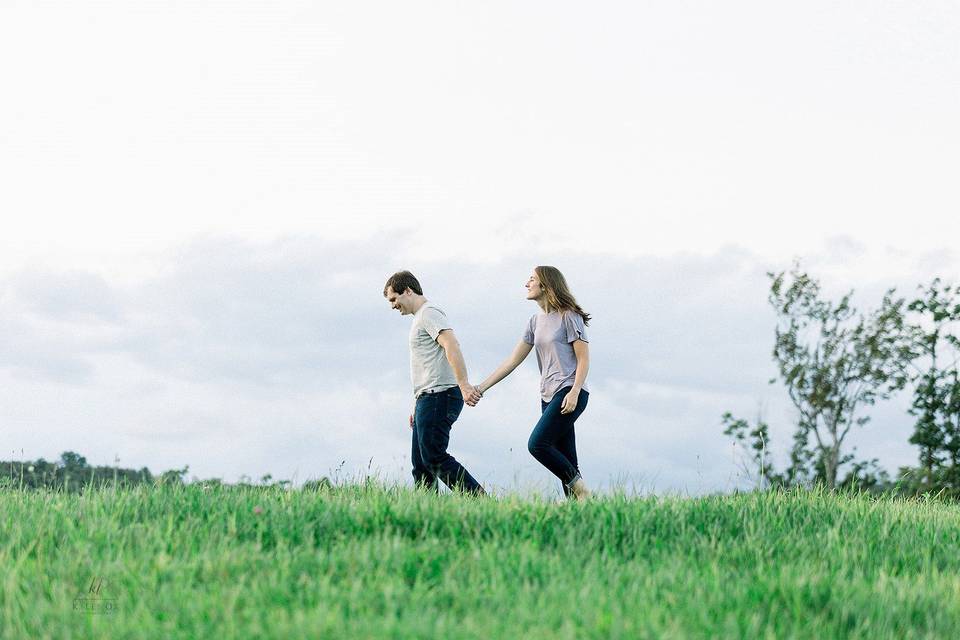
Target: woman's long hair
558,293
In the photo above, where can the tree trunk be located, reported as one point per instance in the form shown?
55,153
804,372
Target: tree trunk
830,467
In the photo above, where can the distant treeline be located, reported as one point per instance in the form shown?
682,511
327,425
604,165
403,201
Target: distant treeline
72,473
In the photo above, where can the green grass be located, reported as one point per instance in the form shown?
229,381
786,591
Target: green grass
356,562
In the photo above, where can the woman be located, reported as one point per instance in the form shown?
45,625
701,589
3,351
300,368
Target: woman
559,335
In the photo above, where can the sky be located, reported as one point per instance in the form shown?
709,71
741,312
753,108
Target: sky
201,202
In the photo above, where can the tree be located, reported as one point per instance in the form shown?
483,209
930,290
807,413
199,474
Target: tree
173,476
833,362
936,399
72,461
759,442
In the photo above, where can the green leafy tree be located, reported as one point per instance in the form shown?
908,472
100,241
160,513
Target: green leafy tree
173,476
72,461
834,362
936,399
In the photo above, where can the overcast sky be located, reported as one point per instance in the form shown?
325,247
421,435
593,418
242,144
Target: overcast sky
201,202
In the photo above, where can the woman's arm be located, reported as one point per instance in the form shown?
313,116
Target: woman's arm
582,350
520,352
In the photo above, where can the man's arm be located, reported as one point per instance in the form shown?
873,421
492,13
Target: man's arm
451,348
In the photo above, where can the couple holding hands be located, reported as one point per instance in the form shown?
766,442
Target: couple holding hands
441,387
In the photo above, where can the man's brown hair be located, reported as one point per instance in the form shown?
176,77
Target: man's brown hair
401,281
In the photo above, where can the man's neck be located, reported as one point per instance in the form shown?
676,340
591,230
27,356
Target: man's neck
418,302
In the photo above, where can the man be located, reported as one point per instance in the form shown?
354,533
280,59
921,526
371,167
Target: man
440,386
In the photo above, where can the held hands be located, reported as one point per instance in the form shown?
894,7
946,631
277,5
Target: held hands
471,394
570,402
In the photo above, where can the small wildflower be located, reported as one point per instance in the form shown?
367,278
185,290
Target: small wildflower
258,509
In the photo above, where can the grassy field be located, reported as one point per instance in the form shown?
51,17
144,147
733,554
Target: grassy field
368,562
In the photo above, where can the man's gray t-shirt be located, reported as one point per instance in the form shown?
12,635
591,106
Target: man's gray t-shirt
429,368
553,335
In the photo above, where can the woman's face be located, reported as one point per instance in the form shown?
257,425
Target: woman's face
534,290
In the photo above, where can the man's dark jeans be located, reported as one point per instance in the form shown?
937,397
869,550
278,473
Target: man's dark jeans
434,415
553,441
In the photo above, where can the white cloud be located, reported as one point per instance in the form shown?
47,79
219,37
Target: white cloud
632,131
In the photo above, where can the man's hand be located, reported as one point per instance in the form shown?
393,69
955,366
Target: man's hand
411,421
471,394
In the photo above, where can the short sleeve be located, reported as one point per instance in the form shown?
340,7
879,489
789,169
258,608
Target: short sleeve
573,324
528,334
434,321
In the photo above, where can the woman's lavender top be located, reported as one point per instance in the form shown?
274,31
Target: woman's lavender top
553,335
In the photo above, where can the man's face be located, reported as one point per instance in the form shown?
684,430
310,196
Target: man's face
402,302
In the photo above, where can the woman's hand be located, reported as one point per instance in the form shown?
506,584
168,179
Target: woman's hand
570,401
471,394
